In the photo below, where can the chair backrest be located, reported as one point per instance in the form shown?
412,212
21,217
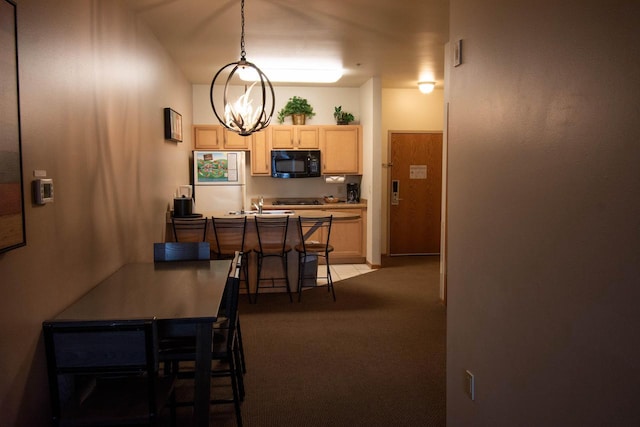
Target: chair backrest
272,233
315,233
181,251
189,229
107,348
229,235
231,295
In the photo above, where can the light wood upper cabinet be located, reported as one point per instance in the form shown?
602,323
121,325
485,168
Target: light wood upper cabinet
217,137
260,154
208,137
234,141
341,149
302,137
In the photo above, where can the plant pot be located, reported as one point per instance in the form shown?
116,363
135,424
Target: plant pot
343,123
298,119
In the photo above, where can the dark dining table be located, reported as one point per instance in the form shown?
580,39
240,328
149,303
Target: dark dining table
186,294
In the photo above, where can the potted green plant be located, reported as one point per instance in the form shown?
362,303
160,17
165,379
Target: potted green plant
298,108
342,117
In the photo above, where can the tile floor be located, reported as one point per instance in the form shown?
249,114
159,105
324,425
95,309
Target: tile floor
342,271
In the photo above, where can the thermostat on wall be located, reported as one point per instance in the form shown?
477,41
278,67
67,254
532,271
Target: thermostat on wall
43,191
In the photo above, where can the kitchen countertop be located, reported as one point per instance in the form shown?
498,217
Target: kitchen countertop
269,204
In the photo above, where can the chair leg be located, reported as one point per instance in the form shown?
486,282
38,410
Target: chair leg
330,280
255,297
245,273
285,267
241,348
301,264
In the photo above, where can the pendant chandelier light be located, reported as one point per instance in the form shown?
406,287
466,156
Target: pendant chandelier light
252,110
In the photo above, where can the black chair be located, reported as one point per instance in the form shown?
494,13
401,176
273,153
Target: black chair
226,350
229,234
272,243
189,251
189,229
181,251
105,373
314,244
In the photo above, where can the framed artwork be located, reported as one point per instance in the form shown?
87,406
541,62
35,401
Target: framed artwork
172,125
12,228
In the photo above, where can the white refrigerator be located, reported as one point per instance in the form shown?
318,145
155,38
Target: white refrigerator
218,181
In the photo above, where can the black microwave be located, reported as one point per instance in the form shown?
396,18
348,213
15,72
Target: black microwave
295,163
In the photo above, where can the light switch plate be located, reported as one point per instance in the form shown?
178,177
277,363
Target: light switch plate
457,52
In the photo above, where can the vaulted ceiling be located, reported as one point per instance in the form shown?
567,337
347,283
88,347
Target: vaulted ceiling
400,41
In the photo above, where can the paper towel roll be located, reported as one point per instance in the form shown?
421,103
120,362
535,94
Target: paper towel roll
335,179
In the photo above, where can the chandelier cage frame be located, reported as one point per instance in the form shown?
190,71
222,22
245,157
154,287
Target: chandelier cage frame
243,122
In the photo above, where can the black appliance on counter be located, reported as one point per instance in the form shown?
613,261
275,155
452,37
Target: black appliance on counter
183,208
353,193
295,163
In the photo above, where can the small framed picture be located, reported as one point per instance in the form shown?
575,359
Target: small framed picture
172,125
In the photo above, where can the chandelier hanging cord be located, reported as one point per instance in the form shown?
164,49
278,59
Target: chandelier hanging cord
243,53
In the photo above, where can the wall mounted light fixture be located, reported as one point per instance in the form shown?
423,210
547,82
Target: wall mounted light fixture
252,110
426,87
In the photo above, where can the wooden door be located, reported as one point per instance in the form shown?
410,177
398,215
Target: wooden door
415,193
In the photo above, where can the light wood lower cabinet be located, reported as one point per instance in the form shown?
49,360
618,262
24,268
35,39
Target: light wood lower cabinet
347,237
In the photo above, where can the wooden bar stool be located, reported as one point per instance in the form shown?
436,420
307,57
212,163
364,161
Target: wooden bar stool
229,234
272,243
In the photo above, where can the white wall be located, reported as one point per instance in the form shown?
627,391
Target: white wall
93,85
544,214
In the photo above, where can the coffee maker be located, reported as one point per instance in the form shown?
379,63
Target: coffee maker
183,203
353,193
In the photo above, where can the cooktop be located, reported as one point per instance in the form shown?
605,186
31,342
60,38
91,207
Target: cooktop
298,202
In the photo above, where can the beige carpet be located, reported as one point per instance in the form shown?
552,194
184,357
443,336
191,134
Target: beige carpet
376,357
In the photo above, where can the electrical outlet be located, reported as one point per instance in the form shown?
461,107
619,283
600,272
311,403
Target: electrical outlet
470,385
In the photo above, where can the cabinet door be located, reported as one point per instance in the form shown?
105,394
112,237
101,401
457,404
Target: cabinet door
346,236
260,154
341,150
295,137
282,137
207,137
308,137
234,141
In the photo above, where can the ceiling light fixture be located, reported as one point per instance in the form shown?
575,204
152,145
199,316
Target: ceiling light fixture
296,75
426,87
242,116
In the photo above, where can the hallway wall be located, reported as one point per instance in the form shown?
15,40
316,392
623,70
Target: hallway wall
544,214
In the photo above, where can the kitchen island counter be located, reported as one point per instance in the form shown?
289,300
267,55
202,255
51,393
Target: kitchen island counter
347,236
